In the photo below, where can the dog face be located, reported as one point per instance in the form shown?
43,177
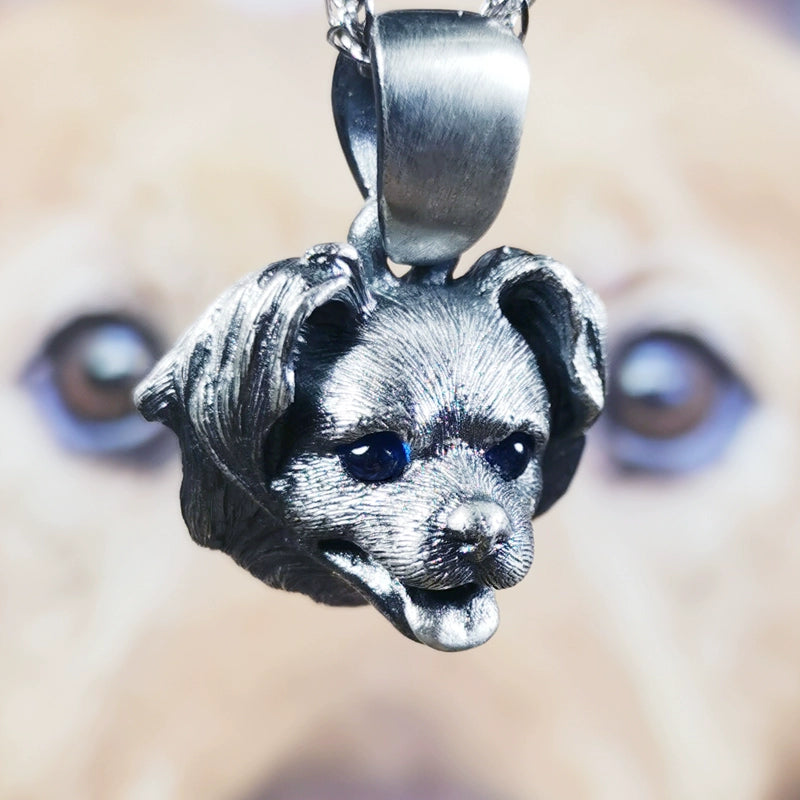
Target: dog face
361,438
417,463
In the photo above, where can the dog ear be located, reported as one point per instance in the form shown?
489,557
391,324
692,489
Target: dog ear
223,388
231,376
563,322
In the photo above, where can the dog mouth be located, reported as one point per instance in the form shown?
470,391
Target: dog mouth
445,619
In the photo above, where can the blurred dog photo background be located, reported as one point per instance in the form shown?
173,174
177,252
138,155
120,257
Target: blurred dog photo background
151,153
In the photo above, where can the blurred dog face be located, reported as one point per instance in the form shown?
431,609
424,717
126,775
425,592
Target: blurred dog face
652,651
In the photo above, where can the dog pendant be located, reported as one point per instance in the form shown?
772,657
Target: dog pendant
364,438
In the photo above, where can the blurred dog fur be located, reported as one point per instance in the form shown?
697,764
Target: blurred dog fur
152,153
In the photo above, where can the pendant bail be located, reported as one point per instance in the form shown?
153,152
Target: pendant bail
433,132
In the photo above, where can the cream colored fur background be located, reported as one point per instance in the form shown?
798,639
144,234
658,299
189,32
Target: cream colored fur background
153,151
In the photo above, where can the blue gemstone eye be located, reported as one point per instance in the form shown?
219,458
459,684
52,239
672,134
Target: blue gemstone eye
376,458
511,456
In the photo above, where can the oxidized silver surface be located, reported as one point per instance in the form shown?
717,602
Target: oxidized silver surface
483,387
317,352
449,88
432,132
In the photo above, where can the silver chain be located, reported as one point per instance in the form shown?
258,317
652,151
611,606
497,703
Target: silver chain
350,22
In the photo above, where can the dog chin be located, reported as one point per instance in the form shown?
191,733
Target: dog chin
448,619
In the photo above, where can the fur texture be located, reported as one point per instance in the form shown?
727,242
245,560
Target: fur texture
309,356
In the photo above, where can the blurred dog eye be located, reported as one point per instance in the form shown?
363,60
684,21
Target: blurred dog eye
673,404
83,381
511,456
376,458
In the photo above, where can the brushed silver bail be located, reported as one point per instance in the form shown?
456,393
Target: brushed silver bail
433,132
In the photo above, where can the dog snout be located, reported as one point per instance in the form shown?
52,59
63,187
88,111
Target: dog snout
479,526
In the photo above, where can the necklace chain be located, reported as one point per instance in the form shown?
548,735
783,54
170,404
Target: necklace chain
350,22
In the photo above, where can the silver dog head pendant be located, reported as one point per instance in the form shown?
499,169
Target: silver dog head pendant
359,437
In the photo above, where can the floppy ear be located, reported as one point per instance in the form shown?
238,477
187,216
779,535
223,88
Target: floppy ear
563,322
231,376
223,387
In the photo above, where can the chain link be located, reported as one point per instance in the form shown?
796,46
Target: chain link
350,22
513,13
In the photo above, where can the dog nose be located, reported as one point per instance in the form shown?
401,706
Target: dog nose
479,525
